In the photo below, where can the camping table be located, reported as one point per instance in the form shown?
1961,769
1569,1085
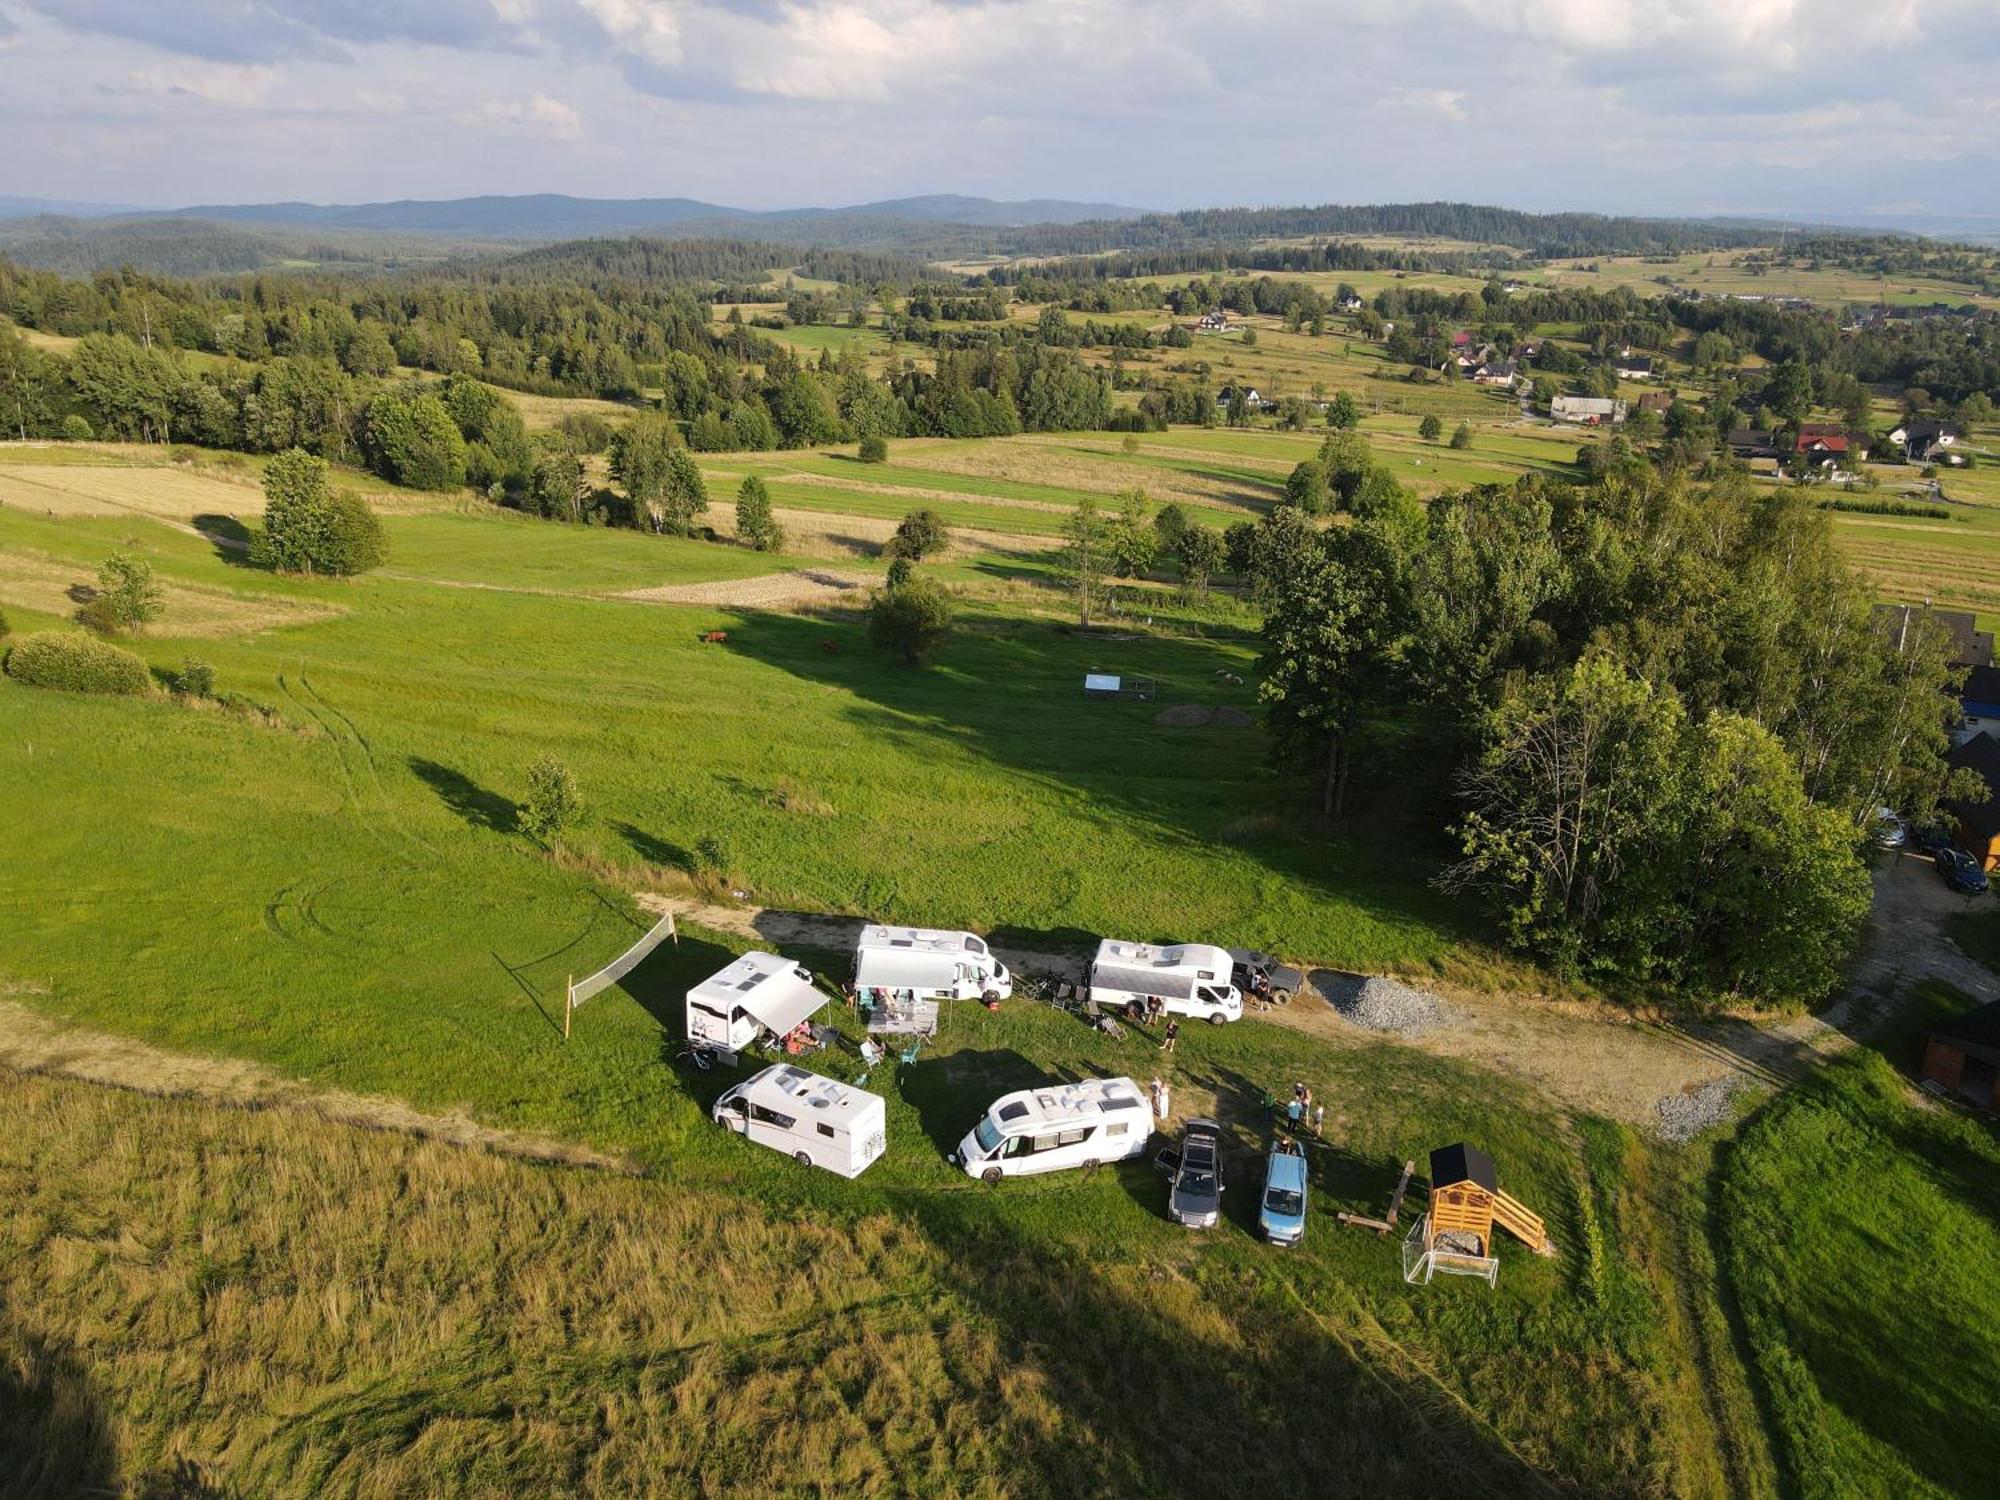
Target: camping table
904,1018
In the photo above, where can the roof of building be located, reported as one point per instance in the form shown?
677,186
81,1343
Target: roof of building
1976,1031
1596,406
1656,401
1750,437
1970,646
1822,442
1982,685
1927,430
1978,821
1634,362
1463,1163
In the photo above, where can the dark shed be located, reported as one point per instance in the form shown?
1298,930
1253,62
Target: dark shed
1963,1056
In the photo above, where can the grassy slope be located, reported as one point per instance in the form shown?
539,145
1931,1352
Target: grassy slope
1861,1239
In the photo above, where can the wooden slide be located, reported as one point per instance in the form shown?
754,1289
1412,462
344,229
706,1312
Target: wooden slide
1523,1223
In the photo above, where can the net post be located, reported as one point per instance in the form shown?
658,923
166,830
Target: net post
569,1003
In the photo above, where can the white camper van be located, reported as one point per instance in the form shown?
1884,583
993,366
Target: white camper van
1190,979
934,965
817,1121
1060,1125
757,993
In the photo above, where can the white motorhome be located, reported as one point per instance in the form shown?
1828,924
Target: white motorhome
1059,1125
1189,979
758,993
815,1120
930,964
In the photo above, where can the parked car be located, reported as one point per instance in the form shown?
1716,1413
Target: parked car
1250,970
1891,832
1195,1199
1282,1214
1961,871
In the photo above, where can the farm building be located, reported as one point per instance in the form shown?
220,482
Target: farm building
1963,1056
1753,442
1592,411
1498,372
1977,824
1633,367
1921,440
1656,402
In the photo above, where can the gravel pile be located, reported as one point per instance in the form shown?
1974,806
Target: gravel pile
1183,714
1381,1004
1235,717
1685,1115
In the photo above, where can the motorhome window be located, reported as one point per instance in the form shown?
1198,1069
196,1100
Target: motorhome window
1015,1111
973,945
989,1138
770,1117
1072,1137
1018,1145
1116,1128
827,1131
1209,994
1045,1142
707,1010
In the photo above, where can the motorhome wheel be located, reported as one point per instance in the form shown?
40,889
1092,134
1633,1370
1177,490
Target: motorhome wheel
1216,1018
991,1174
803,1158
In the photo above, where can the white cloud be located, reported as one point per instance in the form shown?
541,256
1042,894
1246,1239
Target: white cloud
538,115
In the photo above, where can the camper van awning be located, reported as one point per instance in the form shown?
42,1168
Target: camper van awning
901,969
780,1004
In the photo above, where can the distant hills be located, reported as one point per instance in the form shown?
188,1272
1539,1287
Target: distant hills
559,216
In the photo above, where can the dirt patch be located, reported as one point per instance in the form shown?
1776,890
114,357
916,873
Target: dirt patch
31,1042
1183,715
803,588
51,586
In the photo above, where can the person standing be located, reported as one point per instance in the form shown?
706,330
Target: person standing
1319,1117
1173,1035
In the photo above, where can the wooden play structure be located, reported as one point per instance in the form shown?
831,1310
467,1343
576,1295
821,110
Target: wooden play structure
1456,1234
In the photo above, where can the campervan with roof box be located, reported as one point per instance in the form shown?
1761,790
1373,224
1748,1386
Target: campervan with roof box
1056,1126
1189,979
930,964
758,993
814,1120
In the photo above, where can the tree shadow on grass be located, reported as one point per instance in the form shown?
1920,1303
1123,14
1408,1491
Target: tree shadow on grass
474,803
55,1436
1013,697
653,849
1131,1391
228,536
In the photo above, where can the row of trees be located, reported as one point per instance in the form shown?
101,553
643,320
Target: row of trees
1670,710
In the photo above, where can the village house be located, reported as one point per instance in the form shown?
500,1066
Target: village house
1213,322
1633,367
1349,303
1495,372
1656,402
1249,395
1754,443
1920,440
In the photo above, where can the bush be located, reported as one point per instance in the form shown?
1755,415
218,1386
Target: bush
414,441
1430,429
1462,437
587,431
553,804
308,528
128,596
196,679
914,619
77,662
874,449
3,624
919,534
901,571
75,429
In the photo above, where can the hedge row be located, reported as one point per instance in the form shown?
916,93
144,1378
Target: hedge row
76,662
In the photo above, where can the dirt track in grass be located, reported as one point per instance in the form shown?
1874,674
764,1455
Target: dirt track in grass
31,1042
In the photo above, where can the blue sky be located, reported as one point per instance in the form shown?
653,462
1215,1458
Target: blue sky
1829,108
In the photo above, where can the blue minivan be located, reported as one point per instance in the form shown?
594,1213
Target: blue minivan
1282,1213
